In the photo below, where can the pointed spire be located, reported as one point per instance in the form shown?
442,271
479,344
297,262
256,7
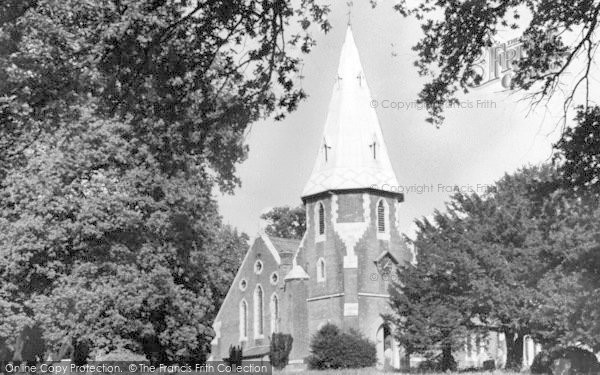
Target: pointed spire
353,153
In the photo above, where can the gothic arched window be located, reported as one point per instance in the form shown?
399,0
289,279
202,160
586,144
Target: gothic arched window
243,320
274,313
381,215
321,219
258,312
321,269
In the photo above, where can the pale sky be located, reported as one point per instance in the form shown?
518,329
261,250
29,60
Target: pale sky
474,147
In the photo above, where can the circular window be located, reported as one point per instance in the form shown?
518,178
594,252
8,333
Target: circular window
258,267
274,278
243,284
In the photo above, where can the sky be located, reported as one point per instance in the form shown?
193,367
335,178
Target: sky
495,132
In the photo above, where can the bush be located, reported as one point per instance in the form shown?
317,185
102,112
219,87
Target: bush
235,356
489,365
439,363
333,349
541,363
81,351
581,361
281,346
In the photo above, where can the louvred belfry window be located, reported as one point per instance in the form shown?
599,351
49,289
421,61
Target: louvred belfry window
381,217
321,219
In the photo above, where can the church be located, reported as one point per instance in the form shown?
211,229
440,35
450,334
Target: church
336,273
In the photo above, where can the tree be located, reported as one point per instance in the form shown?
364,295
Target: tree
188,75
118,118
109,239
226,261
286,222
572,316
578,152
281,346
456,32
429,298
479,267
569,314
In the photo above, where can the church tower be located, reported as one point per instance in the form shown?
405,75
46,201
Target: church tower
352,237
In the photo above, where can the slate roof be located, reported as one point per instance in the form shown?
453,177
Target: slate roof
285,245
352,153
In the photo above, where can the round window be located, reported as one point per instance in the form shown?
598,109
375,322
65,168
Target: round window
243,284
274,278
258,267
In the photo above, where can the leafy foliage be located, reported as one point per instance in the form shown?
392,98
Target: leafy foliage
498,263
578,152
286,222
333,349
441,362
581,361
81,351
456,32
117,120
171,68
281,346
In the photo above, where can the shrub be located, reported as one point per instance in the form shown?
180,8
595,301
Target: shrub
235,356
332,348
81,351
281,346
581,361
489,365
439,363
541,363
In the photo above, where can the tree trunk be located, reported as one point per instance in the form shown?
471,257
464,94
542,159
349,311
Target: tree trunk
514,351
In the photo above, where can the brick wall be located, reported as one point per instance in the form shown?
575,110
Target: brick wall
229,316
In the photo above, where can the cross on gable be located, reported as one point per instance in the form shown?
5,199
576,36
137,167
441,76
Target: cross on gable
325,148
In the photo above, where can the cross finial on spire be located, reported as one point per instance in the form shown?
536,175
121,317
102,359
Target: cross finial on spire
359,77
349,4
325,148
374,147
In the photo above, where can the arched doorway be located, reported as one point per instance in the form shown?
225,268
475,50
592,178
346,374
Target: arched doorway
385,347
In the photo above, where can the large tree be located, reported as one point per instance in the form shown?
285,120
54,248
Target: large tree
118,118
481,262
430,298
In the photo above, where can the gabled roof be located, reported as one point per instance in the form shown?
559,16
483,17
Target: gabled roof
352,153
285,245
296,273
384,254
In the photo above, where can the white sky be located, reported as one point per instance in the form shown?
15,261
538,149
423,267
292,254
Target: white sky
475,146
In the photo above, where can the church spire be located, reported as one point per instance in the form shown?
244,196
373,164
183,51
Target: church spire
352,154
